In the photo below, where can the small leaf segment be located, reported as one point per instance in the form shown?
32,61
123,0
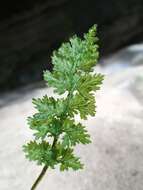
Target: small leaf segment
56,132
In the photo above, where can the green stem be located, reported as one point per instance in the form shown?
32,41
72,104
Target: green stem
39,178
43,170
53,146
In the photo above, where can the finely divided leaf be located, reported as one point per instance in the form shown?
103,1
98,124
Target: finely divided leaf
54,120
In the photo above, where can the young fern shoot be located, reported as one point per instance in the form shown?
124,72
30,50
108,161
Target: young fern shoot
72,76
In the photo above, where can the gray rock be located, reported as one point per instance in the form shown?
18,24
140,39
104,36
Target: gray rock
114,160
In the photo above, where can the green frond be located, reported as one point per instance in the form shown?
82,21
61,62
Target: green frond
54,120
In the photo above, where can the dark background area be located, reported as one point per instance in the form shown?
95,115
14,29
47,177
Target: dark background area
31,29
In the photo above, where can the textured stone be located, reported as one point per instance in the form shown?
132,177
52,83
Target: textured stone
114,159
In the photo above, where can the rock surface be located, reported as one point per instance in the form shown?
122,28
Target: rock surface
114,160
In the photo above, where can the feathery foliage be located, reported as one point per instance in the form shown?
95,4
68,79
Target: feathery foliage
72,76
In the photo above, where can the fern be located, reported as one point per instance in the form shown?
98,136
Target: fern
72,76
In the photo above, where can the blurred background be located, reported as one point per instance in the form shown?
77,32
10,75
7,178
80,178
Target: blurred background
29,31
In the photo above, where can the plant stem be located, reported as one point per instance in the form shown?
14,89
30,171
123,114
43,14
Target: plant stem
53,146
43,170
39,178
